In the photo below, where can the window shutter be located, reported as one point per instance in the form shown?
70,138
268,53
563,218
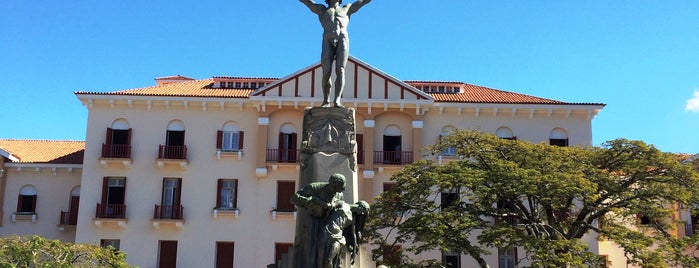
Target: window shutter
19,203
219,187
280,146
285,189
235,196
34,197
105,184
219,139
128,137
293,141
178,193
240,140
109,136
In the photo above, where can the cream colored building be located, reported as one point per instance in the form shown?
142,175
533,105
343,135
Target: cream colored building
198,173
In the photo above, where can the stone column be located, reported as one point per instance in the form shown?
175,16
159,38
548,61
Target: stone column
417,140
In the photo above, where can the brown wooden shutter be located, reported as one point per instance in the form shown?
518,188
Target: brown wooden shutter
235,197
360,148
280,146
34,198
128,136
240,140
105,185
19,203
294,137
285,189
219,139
109,136
219,187
178,193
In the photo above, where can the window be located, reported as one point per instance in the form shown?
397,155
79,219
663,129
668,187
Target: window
231,85
230,138
253,84
604,261
71,218
391,255
174,142
449,199
451,260
118,141
281,249
391,146
245,85
507,257
167,254
114,243
170,207
359,138
505,133
451,150
238,85
287,143
26,201
227,194
225,252
558,137
113,195
285,189
388,185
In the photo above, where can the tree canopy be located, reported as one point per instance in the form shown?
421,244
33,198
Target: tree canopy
36,251
500,193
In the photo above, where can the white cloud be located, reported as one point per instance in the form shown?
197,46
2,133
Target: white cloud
693,103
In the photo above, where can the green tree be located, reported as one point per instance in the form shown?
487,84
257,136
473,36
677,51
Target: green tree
36,251
538,197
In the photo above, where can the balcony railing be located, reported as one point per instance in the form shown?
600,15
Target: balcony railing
113,211
116,150
168,212
172,152
66,218
393,157
282,155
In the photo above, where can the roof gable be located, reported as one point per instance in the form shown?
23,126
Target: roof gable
362,82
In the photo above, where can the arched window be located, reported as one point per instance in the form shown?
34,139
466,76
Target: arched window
392,142
26,201
446,131
174,141
287,143
558,137
229,138
505,133
118,140
71,218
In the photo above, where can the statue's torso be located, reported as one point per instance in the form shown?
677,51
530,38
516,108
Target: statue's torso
335,21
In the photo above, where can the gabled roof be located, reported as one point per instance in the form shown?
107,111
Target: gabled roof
305,84
43,151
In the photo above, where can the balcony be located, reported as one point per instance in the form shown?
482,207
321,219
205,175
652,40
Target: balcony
110,213
116,153
168,154
67,221
283,155
168,214
393,157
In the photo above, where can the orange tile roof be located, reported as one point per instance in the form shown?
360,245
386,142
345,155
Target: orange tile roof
45,151
204,88
197,88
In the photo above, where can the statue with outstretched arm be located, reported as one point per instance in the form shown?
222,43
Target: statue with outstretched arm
334,18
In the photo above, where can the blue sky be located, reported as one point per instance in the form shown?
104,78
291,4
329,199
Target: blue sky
639,57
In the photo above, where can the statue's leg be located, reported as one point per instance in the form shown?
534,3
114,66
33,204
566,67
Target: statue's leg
326,63
341,56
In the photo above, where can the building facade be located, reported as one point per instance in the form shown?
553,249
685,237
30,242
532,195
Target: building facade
198,173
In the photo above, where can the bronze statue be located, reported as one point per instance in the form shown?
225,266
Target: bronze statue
334,18
315,202
342,227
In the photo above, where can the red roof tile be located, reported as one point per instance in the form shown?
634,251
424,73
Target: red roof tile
197,88
45,151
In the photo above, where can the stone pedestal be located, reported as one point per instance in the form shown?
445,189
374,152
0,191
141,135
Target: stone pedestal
328,147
